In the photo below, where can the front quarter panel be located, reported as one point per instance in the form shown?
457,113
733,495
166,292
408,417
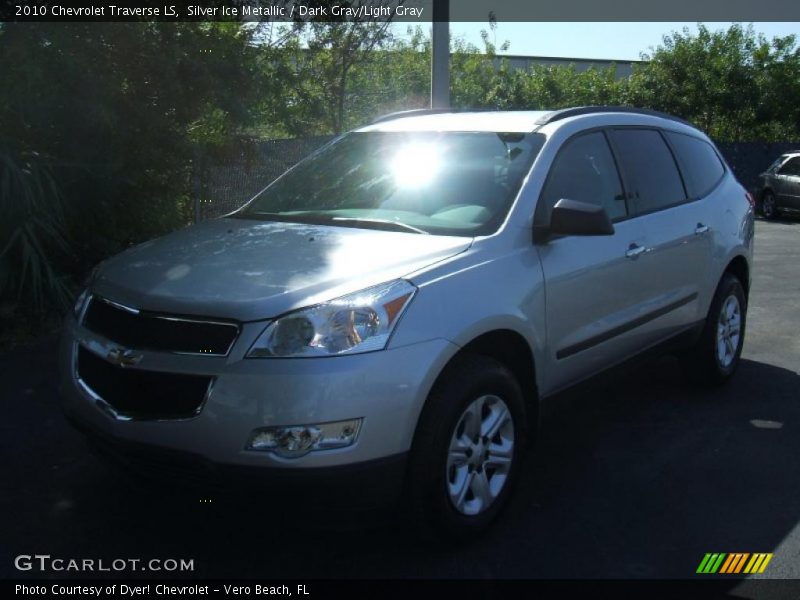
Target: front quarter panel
490,287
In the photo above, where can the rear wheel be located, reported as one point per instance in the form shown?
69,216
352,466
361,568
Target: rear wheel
467,449
715,356
768,207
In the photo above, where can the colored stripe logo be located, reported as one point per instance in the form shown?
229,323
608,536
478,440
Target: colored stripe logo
733,563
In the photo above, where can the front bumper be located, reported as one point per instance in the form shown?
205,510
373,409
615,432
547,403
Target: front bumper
370,484
386,389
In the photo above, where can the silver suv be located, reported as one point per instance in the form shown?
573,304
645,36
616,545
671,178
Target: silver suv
389,314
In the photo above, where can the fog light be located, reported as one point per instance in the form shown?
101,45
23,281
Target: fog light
297,440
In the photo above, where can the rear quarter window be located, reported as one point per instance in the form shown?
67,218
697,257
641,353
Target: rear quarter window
701,166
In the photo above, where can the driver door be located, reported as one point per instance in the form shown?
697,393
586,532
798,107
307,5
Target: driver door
593,285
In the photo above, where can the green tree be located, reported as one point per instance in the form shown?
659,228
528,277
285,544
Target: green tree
479,78
483,78
319,66
550,87
398,77
734,84
120,110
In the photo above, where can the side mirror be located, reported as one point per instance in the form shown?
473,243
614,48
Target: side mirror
571,217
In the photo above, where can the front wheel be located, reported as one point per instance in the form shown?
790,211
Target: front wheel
715,356
467,449
768,207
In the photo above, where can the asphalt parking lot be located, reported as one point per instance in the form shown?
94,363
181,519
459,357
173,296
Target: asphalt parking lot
637,477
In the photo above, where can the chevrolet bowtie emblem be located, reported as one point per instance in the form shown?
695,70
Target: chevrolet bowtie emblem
123,358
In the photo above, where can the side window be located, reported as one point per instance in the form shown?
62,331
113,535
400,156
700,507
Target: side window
650,169
776,164
584,170
792,167
700,165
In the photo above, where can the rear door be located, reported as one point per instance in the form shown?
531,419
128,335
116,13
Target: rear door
675,214
592,283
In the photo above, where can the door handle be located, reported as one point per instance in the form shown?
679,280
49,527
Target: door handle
634,250
701,229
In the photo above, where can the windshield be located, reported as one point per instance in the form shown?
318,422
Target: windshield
445,183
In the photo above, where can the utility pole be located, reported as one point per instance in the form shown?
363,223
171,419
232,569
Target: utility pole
440,50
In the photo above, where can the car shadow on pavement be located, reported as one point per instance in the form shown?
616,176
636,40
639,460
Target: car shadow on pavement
636,476
641,476
784,219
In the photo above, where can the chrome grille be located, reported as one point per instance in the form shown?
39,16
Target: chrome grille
144,330
142,394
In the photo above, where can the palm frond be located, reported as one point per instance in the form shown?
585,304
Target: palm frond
32,233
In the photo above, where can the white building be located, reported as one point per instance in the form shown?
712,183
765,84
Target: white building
624,67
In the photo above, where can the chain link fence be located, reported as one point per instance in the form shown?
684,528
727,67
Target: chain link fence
749,159
224,187
219,188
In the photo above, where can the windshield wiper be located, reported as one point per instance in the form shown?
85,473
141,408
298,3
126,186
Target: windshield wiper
309,218
383,223
321,218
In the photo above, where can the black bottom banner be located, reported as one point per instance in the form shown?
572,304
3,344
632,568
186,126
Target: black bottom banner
408,589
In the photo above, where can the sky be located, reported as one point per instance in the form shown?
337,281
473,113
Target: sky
620,41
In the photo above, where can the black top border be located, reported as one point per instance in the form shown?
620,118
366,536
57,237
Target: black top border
405,11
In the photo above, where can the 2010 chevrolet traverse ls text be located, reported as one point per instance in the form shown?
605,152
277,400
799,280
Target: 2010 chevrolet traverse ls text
396,306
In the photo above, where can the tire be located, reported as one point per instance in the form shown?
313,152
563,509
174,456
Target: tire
768,206
447,463
715,356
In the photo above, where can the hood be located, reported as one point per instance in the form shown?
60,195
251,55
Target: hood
250,270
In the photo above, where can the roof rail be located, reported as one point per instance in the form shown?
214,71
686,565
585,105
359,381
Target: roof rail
416,112
564,113
419,112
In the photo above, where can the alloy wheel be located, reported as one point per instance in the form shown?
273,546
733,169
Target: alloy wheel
729,327
480,455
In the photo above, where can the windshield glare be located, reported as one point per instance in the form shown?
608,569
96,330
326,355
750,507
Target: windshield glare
445,183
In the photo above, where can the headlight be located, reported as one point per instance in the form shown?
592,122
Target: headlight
360,322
